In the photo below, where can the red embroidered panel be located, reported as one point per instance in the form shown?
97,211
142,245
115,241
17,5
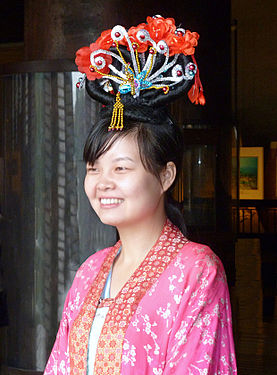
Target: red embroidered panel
122,308
79,333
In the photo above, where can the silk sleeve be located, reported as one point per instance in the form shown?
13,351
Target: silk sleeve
201,339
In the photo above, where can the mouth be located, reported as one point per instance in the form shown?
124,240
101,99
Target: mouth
110,202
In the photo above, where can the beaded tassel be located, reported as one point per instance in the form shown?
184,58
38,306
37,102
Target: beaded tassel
117,117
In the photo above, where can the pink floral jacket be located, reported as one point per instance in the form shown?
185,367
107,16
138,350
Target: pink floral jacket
173,316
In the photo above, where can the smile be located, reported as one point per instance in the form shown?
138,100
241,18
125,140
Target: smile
110,201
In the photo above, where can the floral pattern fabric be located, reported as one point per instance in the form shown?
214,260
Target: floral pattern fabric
181,325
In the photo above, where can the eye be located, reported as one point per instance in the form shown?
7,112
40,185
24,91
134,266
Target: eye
121,168
91,169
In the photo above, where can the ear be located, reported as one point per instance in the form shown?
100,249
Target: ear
168,175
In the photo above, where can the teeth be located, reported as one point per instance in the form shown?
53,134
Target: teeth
111,200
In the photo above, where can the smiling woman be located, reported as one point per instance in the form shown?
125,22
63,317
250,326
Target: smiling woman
155,302
120,168
120,189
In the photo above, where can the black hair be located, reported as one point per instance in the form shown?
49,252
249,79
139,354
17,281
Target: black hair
159,141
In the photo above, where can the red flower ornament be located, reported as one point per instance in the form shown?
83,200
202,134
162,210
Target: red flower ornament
160,27
105,40
132,33
191,41
175,43
83,62
182,43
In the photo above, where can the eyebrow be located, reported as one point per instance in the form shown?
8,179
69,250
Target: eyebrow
123,158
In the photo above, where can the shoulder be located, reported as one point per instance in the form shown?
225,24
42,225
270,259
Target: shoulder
84,278
89,269
82,282
92,264
190,255
196,252
199,262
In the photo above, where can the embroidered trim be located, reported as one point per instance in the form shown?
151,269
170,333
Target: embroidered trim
79,333
122,308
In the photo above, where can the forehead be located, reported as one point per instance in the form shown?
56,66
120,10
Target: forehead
122,146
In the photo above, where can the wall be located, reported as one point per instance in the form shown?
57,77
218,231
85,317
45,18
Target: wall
257,70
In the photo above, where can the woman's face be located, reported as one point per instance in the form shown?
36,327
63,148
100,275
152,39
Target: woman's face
119,188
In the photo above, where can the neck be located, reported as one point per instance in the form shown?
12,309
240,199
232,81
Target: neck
139,238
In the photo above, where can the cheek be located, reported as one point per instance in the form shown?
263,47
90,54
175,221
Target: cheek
149,189
88,186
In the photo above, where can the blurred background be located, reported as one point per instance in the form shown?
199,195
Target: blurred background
228,188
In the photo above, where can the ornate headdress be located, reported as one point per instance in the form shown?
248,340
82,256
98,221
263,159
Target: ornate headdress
148,65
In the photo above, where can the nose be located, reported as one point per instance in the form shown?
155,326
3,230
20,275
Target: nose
104,183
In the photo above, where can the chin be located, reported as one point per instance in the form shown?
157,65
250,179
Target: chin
110,221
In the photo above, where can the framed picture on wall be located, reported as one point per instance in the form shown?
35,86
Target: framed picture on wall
251,173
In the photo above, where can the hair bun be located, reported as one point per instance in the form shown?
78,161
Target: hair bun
140,113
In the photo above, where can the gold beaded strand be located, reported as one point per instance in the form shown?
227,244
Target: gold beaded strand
105,74
137,56
117,116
